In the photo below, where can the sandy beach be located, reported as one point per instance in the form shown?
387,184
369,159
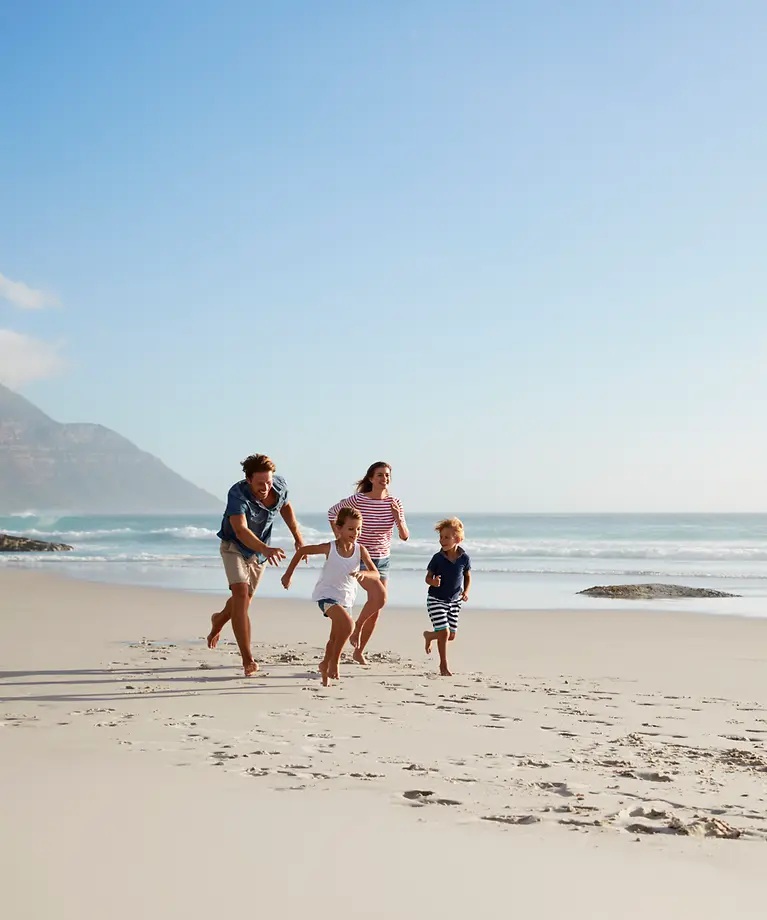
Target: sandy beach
598,764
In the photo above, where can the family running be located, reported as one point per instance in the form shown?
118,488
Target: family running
363,524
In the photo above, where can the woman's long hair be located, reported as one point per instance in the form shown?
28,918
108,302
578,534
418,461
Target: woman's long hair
366,483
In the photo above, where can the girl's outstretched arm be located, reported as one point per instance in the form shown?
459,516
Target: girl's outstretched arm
318,549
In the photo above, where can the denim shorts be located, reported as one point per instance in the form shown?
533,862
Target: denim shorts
381,564
329,602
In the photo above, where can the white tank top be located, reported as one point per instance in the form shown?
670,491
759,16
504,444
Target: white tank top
335,582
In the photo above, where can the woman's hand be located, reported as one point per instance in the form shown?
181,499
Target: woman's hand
399,519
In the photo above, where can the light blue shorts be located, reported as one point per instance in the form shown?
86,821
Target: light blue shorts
329,602
382,564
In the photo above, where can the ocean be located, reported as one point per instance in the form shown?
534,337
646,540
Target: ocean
520,561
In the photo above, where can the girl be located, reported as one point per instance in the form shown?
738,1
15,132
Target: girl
381,513
337,585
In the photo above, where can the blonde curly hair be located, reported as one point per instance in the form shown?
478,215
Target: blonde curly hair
452,523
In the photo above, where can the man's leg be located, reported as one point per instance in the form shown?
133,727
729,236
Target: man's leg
240,601
236,569
218,622
244,575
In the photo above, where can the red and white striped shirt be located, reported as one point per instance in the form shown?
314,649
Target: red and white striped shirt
378,520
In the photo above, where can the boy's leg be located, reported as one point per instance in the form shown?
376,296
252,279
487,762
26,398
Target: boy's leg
437,610
452,619
442,639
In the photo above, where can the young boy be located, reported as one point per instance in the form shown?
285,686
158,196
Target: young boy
448,577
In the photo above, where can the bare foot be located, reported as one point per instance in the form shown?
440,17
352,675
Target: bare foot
444,671
359,657
354,638
250,668
333,674
324,673
215,634
427,638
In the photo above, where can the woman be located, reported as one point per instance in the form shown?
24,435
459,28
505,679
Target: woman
381,512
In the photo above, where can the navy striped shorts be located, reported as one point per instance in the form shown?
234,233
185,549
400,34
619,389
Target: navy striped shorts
443,614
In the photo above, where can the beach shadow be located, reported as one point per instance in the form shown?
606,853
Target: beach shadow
86,671
189,681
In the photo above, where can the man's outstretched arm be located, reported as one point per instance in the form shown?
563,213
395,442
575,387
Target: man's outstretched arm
289,516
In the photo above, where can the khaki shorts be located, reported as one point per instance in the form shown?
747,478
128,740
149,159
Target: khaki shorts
239,570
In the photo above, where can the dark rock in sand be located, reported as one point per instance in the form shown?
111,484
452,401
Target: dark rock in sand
645,592
9,544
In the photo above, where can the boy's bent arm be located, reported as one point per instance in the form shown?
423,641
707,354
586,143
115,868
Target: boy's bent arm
466,584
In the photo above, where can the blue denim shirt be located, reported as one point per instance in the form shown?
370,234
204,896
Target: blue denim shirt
258,517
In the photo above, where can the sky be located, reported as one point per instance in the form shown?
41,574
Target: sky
518,250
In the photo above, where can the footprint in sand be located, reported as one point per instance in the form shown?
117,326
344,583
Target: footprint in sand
426,797
560,788
512,819
647,776
257,771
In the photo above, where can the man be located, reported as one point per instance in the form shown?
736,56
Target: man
246,528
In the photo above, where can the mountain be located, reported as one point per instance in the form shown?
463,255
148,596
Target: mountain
85,468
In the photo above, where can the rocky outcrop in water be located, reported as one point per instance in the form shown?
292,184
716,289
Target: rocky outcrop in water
84,468
649,592
11,544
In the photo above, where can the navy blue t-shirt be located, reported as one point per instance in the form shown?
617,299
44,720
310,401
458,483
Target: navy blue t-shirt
451,574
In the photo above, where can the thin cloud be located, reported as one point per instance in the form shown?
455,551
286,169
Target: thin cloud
24,359
22,295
